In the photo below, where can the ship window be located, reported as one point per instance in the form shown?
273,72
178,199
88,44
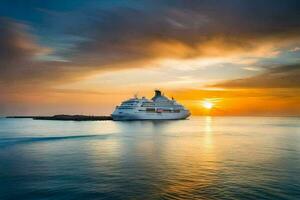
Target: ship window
125,107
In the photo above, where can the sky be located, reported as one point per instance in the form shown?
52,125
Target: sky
86,56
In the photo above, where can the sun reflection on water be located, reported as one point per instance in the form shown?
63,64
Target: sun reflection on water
208,143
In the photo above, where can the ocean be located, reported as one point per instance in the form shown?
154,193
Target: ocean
198,158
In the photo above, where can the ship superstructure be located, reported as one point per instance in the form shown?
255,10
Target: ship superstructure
158,108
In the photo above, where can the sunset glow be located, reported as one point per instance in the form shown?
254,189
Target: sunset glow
192,53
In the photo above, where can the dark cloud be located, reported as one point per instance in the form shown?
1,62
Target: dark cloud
287,76
16,46
125,36
20,66
17,51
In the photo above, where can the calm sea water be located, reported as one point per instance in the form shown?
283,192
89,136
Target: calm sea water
200,158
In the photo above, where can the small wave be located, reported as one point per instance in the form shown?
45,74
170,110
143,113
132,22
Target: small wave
4,142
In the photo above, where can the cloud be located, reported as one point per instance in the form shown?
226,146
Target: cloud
186,30
20,66
121,37
18,51
16,45
117,36
287,76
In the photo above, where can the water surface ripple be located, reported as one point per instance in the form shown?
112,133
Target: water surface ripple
199,158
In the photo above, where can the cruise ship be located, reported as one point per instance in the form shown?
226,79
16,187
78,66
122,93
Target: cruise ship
158,108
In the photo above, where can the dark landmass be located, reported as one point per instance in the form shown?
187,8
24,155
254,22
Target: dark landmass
67,117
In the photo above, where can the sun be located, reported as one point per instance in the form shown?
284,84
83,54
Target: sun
207,104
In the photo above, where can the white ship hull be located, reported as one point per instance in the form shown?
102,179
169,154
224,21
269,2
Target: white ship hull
127,116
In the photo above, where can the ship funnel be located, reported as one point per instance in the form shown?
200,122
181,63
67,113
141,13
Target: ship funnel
157,93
